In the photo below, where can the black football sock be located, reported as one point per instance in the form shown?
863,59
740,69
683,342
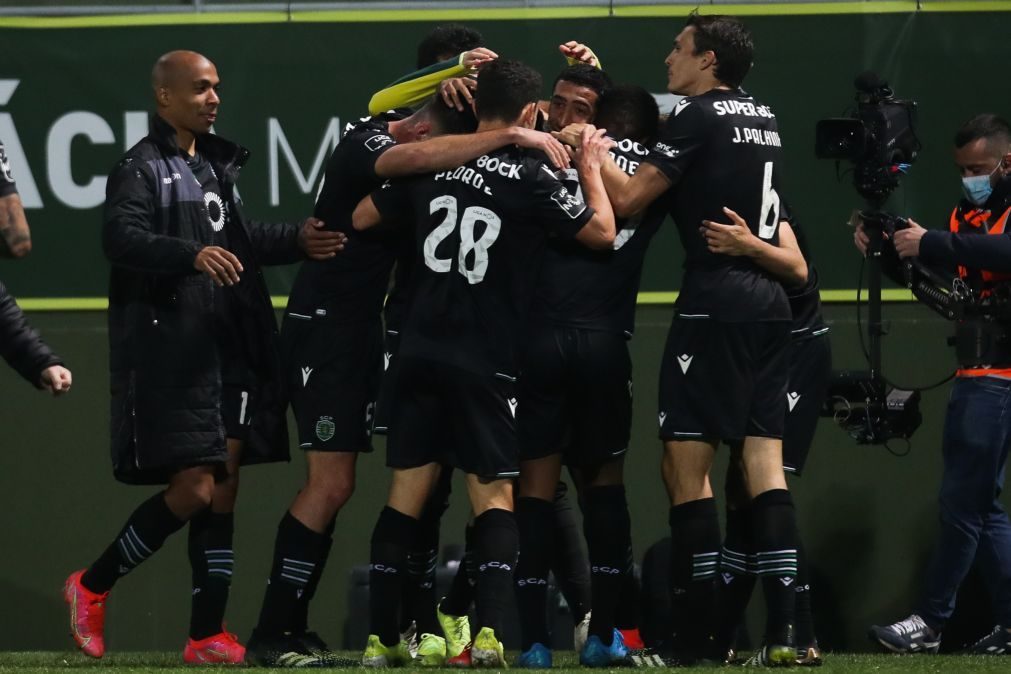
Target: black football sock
142,535
533,521
695,553
392,538
461,591
420,586
608,532
300,618
496,546
805,619
737,579
211,561
297,551
626,616
775,531
569,562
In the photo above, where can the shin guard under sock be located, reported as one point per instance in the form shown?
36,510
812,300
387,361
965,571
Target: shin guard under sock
496,548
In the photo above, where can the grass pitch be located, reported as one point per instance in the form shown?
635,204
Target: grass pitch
565,662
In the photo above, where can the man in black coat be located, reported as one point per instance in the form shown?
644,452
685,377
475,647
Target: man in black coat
192,343
20,345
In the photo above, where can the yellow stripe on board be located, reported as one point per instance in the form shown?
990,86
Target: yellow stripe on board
497,13
279,301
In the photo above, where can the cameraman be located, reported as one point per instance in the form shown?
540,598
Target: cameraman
977,429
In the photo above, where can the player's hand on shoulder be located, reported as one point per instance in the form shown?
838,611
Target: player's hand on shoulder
572,135
458,92
220,264
733,239
56,379
577,51
593,148
317,243
475,58
860,239
538,140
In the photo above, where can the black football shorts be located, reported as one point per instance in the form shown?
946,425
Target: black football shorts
237,404
333,373
723,381
445,414
810,371
388,389
575,391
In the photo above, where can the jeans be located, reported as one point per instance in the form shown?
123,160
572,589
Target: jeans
974,525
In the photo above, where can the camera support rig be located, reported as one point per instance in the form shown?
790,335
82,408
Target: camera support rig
880,141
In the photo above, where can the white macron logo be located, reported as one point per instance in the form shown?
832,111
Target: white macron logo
681,105
792,399
685,361
786,581
306,371
662,417
512,406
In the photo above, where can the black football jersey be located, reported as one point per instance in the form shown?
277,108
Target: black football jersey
722,148
7,184
805,300
596,289
480,231
351,285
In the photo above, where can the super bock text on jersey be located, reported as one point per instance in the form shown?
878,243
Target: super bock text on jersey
480,233
722,149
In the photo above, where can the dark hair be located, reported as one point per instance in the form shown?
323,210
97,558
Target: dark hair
629,111
728,38
505,86
585,76
447,119
449,38
987,126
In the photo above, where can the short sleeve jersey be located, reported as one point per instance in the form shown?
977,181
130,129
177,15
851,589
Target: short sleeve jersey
480,231
722,148
7,184
593,289
351,285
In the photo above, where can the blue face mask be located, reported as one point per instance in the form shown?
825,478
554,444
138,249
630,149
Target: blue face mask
977,189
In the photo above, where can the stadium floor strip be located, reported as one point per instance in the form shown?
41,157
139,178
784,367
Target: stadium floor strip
279,301
499,13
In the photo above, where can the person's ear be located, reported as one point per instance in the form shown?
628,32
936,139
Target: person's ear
422,130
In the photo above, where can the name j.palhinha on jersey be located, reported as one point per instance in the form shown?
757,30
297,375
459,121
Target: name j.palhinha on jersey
756,136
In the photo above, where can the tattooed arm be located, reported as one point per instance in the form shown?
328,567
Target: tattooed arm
15,239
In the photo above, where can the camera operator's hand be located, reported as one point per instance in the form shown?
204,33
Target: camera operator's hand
907,239
860,239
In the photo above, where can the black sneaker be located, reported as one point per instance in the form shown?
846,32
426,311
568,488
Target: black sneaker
911,635
281,651
998,642
312,642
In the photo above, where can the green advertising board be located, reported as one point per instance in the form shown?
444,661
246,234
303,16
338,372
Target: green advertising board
74,95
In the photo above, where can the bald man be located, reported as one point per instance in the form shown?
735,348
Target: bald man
193,357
